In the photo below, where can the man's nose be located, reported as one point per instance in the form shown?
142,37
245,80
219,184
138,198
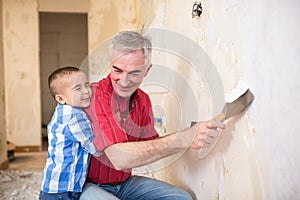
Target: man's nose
124,80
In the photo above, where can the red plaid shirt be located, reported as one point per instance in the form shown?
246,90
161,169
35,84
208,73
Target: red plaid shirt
110,126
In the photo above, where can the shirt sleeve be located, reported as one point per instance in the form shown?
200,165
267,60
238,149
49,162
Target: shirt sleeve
80,128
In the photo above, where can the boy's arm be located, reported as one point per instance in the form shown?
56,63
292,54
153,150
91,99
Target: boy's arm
81,131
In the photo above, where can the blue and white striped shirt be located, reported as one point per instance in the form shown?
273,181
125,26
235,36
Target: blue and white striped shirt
70,139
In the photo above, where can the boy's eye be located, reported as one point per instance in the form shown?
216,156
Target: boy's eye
77,88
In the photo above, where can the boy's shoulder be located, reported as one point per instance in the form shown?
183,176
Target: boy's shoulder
67,109
67,112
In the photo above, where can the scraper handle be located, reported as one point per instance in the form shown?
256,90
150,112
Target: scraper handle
203,152
220,117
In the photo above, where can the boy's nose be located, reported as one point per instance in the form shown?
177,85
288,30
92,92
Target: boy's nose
85,90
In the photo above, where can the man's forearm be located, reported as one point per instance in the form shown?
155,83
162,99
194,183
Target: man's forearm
134,154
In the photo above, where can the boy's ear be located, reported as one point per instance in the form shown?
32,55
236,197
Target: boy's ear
148,69
60,99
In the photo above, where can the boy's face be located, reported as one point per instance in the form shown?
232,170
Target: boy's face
75,90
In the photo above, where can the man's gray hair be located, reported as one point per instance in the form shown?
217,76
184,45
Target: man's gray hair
128,41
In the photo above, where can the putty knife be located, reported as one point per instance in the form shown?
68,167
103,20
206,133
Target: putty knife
238,100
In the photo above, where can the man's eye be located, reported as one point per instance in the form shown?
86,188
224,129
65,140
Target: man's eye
116,69
87,85
135,74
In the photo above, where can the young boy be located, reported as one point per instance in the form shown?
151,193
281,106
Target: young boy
70,136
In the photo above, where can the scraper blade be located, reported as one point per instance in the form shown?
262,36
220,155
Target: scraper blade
238,105
230,109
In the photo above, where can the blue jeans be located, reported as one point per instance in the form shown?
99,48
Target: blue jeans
134,188
59,196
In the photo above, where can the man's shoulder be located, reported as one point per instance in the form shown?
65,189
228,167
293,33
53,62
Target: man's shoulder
142,98
102,85
141,94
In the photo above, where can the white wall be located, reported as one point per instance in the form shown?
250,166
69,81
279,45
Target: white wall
256,157
271,48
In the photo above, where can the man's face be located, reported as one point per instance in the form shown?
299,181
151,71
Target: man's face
127,72
76,90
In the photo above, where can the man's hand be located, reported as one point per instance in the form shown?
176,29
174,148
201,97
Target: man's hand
202,134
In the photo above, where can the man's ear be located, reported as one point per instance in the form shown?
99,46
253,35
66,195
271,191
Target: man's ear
60,99
148,69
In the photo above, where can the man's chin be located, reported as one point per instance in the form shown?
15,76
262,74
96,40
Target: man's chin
124,94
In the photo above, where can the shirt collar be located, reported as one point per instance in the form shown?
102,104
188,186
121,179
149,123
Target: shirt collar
120,100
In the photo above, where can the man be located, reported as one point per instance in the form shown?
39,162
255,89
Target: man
123,125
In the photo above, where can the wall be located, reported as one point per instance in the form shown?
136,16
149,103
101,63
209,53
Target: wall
22,67
257,42
21,70
107,17
3,152
271,46
63,6
233,170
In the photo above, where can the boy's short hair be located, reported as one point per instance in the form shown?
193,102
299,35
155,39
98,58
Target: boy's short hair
57,74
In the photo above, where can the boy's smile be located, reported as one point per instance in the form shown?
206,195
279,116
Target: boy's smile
76,90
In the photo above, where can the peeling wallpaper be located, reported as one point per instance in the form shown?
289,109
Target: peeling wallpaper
271,46
233,170
255,41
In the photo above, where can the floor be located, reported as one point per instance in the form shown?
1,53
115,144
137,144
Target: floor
22,180
34,161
